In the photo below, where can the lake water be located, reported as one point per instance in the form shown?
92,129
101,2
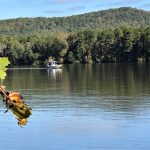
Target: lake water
81,107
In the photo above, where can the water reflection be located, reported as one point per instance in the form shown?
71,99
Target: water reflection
54,73
107,105
114,87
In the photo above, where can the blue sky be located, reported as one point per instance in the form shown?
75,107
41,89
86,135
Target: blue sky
54,8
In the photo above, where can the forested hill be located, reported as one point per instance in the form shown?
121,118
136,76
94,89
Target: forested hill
110,18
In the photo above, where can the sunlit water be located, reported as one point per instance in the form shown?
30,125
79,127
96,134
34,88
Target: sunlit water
81,107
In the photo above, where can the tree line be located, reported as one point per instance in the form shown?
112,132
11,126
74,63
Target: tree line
123,44
105,19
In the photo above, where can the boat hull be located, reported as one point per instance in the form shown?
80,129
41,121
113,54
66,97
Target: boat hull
55,66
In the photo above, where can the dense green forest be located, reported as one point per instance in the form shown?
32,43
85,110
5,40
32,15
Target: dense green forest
110,18
114,35
122,44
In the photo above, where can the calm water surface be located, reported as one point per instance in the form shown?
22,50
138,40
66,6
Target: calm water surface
81,107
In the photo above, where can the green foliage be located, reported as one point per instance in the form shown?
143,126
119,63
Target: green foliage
3,63
70,57
122,44
105,19
114,35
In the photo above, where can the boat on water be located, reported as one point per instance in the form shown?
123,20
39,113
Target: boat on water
53,65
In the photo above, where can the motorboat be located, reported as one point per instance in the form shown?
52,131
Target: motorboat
53,65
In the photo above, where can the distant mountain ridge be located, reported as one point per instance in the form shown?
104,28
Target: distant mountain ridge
111,18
